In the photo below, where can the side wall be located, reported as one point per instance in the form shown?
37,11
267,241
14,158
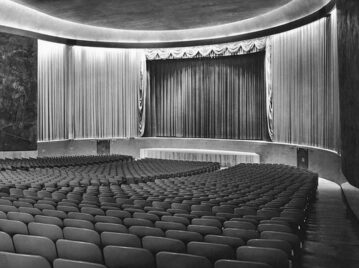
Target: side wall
348,44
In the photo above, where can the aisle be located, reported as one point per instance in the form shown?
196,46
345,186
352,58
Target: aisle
332,235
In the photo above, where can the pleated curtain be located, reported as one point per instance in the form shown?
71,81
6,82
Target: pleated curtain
52,91
223,98
87,93
305,85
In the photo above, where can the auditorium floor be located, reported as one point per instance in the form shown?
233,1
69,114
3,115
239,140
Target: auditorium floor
332,235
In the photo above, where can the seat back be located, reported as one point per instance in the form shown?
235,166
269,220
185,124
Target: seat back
185,236
211,251
20,216
117,256
49,220
239,264
63,263
271,243
239,225
165,225
207,222
80,216
78,223
241,233
35,245
13,227
6,242
120,239
156,244
50,231
234,242
181,260
142,231
80,251
274,257
81,234
137,222
107,219
13,260
110,227
204,230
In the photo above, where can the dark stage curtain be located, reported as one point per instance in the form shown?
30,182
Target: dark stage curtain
222,98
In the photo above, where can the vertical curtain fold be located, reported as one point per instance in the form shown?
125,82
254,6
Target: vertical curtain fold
305,85
88,92
208,98
52,92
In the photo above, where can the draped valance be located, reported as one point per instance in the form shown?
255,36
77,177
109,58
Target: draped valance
227,49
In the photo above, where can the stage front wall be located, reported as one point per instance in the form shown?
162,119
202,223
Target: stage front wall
221,97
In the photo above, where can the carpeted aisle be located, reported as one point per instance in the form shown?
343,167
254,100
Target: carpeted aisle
332,233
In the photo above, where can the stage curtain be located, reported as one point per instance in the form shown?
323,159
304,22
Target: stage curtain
88,92
223,97
305,85
52,91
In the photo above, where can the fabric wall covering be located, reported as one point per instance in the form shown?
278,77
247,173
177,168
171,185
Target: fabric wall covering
223,97
305,85
88,92
18,92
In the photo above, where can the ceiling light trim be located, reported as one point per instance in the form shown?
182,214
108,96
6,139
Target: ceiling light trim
34,23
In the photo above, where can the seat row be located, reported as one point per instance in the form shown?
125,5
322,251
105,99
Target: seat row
270,252
226,217
115,172
60,161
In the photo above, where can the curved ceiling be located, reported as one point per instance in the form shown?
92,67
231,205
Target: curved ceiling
154,15
162,23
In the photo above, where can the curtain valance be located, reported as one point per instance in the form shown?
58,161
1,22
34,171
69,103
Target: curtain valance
228,49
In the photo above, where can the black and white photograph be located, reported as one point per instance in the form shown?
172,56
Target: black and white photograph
179,134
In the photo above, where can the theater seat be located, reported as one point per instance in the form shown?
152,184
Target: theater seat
20,216
78,251
292,239
211,251
79,224
271,243
110,227
156,244
63,263
185,236
13,227
207,222
51,231
204,230
234,242
181,260
142,231
14,260
239,225
128,257
241,233
120,239
6,242
81,234
35,245
240,264
274,257
165,225
49,220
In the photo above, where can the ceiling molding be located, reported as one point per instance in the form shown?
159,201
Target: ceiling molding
16,18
